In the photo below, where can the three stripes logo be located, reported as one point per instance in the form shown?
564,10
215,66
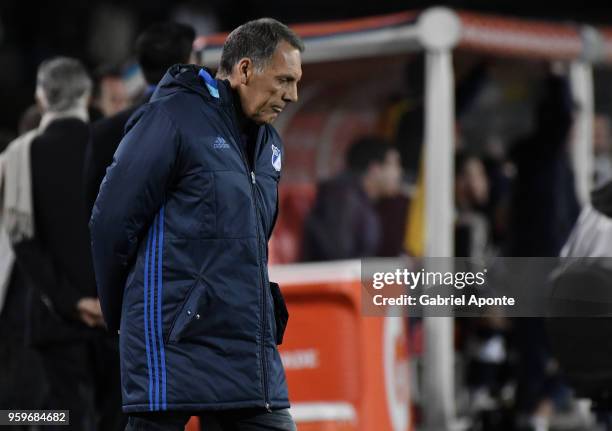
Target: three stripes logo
153,288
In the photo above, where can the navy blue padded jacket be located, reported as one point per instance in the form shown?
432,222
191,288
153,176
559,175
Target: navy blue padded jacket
179,238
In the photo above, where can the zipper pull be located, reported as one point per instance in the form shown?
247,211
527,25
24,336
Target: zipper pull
268,408
253,177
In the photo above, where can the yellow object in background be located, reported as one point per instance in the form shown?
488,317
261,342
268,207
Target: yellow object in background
414,239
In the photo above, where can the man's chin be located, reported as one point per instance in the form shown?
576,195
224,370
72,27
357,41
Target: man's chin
268,120
265,119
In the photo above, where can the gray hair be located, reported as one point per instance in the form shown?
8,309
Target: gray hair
256,40
63,82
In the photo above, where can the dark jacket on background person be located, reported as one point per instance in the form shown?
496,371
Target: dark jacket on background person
106,133
179,237
57,171
57,261
343,223
544,208
81,367
544,205
52,272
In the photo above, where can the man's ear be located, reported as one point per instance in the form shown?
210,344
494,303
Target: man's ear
245,70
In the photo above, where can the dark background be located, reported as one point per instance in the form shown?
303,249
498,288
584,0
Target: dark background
32,31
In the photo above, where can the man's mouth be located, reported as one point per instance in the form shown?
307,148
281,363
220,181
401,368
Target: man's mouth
277,109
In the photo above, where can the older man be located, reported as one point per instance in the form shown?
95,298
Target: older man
80,358
179,236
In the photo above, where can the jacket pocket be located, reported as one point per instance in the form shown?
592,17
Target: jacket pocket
190,311
281,314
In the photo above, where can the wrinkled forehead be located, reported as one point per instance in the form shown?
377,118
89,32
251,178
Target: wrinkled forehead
286,60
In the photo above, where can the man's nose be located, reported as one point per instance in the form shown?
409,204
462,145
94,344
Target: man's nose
291,95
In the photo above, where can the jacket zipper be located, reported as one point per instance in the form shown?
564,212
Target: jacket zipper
251,174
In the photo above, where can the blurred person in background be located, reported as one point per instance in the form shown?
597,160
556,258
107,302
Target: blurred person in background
65,320
23,380
544,208
471,198
484,339
157,48
602,146
344,223
182,220
544,203
500,174
110,92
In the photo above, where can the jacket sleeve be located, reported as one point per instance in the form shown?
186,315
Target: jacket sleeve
130,195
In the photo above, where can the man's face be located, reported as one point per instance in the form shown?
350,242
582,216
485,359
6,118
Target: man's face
113,96
390,174
264,94
472,183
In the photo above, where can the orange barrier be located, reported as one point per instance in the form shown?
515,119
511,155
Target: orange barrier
193,424
345,372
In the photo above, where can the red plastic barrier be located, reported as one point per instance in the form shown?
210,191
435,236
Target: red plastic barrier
345,371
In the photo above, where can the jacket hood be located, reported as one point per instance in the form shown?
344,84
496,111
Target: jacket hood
192,78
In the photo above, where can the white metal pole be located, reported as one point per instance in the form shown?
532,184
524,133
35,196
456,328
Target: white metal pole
581,79
440,31
439,196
